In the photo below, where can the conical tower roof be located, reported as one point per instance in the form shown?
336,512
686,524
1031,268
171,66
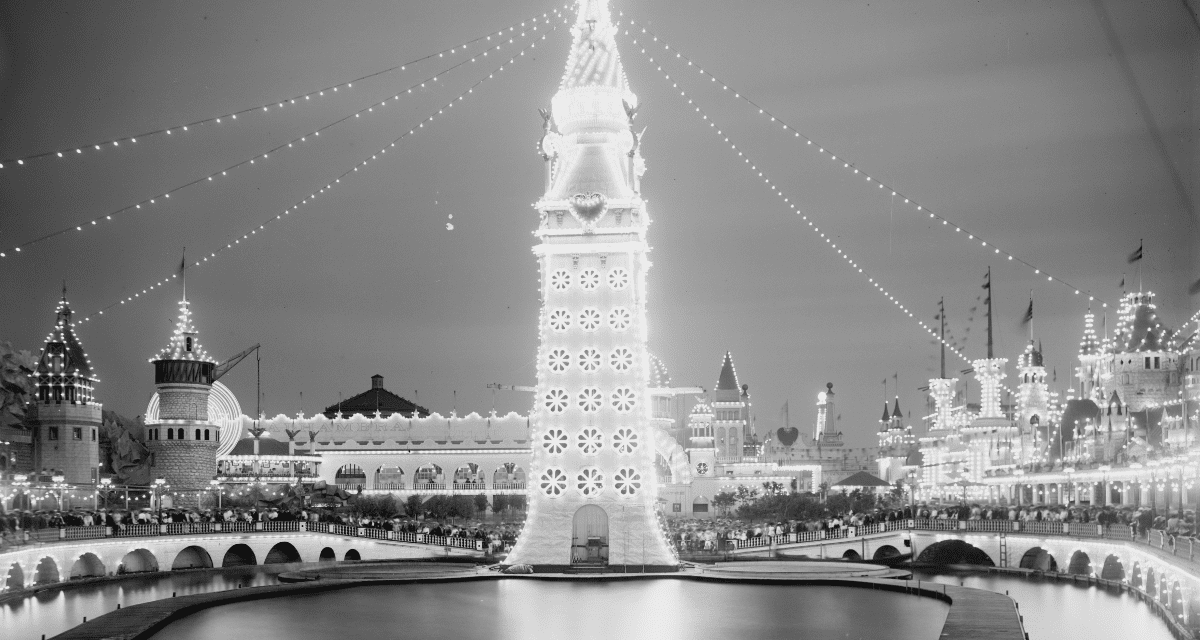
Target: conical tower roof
62,353
594,60
184,344
727,381
887,418
896,409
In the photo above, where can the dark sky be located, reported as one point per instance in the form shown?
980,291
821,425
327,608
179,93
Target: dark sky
1064,132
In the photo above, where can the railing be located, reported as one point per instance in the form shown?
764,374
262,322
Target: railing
429,486
1043,527
60,534
1158,539
508,486
389,486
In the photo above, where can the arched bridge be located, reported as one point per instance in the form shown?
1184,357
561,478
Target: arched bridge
84,552
1165,569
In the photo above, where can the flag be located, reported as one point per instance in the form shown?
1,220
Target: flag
1028,314
1136,255
1122,282
783,413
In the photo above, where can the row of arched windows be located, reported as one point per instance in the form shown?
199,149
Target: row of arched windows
177,433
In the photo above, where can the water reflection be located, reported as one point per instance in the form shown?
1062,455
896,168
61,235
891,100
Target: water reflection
1068,611
663,609
55,611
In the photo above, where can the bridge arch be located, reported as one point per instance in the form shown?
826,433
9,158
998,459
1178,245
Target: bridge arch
352,554
239,555
138,561
327,555
1080,564
46,571
1112,569
955,552
885,552
15,578
281,553
192,557
87,565
851,555
1039,559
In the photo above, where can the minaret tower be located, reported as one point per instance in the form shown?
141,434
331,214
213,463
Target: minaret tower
183,441
592,492
1089,362
65,414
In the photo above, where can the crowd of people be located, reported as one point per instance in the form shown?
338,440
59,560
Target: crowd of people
20,527
695,536
713,535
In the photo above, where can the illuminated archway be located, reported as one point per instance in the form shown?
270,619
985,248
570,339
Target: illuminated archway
87,566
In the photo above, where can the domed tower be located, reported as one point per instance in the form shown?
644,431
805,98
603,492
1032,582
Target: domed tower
65,415
592,461
183,441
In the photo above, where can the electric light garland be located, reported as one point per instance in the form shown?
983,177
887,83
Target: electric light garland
166,195
850,166
321,191
815,229
78,150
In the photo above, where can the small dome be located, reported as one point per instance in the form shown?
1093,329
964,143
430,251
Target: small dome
702,409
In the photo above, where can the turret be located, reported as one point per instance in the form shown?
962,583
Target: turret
183,441
65,416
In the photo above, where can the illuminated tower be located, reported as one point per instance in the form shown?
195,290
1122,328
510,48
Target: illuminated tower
65,415
592,495
1088,372
731,413
183,441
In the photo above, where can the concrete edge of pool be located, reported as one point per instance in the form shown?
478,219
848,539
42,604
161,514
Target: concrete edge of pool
973,613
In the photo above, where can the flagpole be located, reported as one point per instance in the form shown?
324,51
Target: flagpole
989,306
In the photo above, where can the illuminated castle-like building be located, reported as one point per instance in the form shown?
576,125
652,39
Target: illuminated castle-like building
64,413
592,460
181,438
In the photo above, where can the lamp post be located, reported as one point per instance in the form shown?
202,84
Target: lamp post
155,503
21,482
216,485
105,483
60,487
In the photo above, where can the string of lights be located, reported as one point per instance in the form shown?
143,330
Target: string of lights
164,197
758,173
301,99
307,200
850,166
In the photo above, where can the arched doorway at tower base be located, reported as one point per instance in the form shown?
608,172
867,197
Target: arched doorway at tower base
589,540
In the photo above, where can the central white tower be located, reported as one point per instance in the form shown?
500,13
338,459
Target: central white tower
592,486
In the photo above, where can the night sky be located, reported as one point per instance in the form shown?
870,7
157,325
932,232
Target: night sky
1063,132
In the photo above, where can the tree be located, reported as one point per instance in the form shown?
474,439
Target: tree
382,507
481,503
461,507
723,501
414,506
745,494
772,488
16,385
